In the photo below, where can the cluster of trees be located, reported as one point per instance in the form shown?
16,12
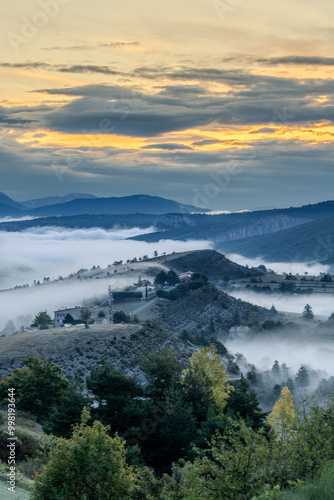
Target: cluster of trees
197,281
186,434
170,278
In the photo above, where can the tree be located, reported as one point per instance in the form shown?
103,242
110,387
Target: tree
302,379
162,370
68,412
327,278
308,313
42,320
244,404
85,314
38,386
121,317
283,415
9,328
114,392
287,287
68,320
91,465
101,314
207,363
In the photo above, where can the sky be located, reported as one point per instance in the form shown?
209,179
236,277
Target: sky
220,104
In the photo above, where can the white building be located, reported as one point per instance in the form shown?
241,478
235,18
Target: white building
75,312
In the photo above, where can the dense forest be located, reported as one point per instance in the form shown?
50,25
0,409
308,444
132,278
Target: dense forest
186,434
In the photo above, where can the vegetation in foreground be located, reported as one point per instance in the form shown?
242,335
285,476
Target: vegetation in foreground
188,434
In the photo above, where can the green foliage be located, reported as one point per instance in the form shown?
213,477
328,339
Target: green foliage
91,465
121,317
127,295
302,378
169,278
38,386
243,403
319,488
162,370
114,392
67,413
42,320
308,313
287,287
68,319
197,281
327,278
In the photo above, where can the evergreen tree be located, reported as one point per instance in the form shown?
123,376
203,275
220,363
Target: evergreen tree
243,403
42,320
302,379
308,313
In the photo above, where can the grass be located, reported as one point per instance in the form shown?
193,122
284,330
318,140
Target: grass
20,494
320,488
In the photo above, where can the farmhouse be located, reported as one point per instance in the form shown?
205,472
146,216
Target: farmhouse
185,277
75,312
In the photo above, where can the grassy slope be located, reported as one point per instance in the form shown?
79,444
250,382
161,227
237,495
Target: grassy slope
19,494
77,348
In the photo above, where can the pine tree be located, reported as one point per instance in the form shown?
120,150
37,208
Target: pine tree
283,415
302,378
308,313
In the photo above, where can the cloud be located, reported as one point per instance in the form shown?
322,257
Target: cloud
110,44
298,60
206,142
264,130
168,146
73,68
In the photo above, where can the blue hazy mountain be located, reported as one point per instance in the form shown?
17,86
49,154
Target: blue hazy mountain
143,204
54,200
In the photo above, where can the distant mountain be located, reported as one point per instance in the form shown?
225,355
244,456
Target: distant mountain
143,204
8,211
5,200
309,242
54,200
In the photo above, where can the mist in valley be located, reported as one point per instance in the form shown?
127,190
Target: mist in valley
301,268
31,255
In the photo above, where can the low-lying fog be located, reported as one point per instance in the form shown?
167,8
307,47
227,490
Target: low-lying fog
280,267
322,304
262,352
53,252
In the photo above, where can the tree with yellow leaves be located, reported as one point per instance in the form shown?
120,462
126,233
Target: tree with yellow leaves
207,370
283,415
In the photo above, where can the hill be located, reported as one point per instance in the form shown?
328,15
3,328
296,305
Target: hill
75,349
310,242
205,311
143,204
5,200
54,200
211,263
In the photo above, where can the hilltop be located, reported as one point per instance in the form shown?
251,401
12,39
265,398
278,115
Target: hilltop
76,349
211,263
